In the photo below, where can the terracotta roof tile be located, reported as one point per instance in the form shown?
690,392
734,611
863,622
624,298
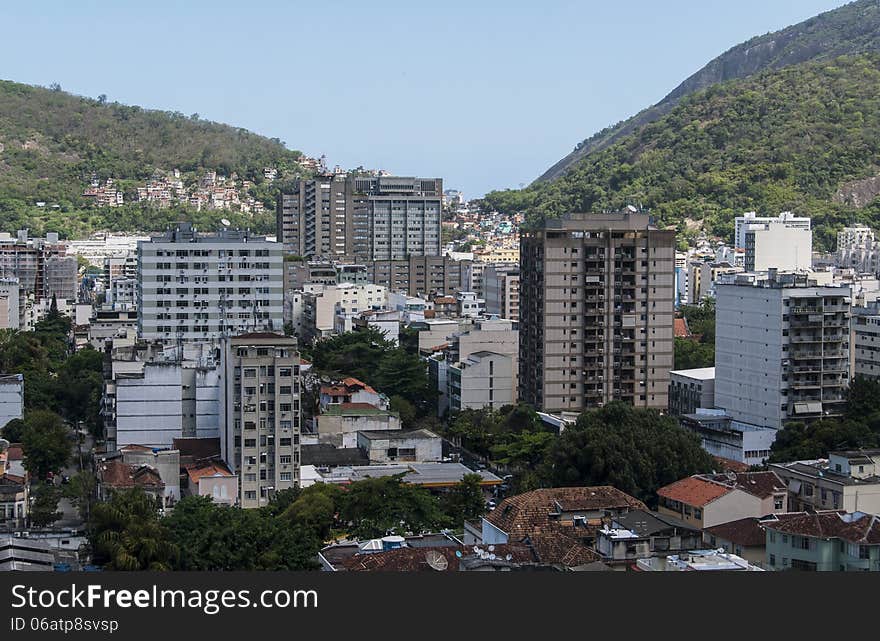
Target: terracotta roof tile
694,491
525,514
116,474
828,524
747,532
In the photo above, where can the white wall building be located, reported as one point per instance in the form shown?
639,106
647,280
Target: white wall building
196,287
742,223
775,245
10,311
781,348
11,398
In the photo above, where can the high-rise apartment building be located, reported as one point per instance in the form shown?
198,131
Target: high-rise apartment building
361,217
501,290
260,402
41,266
776,245
747,220
197,287
782,348
596,312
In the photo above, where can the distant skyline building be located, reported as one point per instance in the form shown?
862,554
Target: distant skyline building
361,217
41,266
596,312
198,287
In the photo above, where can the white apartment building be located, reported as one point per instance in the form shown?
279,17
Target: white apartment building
483,379
316,309
857,249
744,222
195,287
782,349
866,341
776,245
10,311
157,401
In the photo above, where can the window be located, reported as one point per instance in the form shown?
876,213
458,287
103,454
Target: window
778,502
285,476
285,442
250,442
250,495
698,513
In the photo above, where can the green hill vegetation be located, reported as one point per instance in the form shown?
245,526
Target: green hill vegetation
853,28
796,139
53,143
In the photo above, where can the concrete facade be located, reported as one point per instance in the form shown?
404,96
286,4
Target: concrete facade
261,414
781,348
690,389
200,287
596,312
361,217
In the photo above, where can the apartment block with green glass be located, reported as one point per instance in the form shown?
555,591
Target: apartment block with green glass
827,541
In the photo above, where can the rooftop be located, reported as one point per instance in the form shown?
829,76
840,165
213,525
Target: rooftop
746,532
854,527
702,489
398,435
354,409
425,474
537,511
819,469
700,373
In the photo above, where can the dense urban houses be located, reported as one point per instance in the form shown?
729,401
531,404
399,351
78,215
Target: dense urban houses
260,399
361,217
781,348
596,312
194,286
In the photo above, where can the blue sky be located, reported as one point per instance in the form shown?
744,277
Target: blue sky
485,94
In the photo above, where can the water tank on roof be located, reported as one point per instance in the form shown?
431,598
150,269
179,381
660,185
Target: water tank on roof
392,542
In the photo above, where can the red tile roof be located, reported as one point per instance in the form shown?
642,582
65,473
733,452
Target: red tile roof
197,471
680,328
729,465
828,524
14,453
118,475
526,514
353,382
694,491
747,532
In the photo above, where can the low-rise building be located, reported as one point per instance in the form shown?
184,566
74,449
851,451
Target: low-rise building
392,446
824,541
697,561
704,500
726,438
577,511
340,423
690,389
14,501
743,537
640,534
834,483
214,479
114,475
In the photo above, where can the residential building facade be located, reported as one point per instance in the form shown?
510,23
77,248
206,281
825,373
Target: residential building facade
596,312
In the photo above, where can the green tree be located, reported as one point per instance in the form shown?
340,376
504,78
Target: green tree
465,501
377,506
44,505
214,537
635,450
46,443
316,508
126,534
13,431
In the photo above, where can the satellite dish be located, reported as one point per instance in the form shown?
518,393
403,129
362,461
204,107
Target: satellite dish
225,222
436,560
458,554
491,548
492,557
509,557
476,549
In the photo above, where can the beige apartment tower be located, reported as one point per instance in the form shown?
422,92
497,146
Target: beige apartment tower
596,312
260,402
